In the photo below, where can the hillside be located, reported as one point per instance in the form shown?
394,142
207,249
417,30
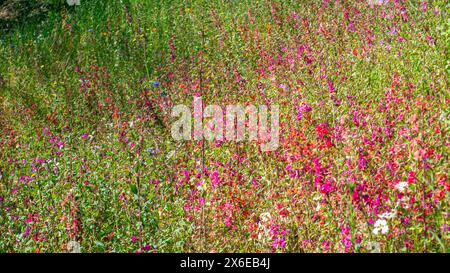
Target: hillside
103,108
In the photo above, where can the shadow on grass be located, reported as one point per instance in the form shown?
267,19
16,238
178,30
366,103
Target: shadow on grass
15,12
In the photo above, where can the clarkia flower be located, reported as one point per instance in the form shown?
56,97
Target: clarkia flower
331,86
147,247
27,232
303,109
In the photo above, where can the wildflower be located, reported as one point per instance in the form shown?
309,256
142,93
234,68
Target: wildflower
437,11
303,109
147,247
439,195
362,161
401,186
73,247
331,87
133,144
307,243
424,6
151,151
411,177
61,144
388,215
346,238
326,245
134,238
228,222
372,3
279,243
445,228
381,225
155,84
404,202
326,187
322,130
215,178
27,232
90,30
347,242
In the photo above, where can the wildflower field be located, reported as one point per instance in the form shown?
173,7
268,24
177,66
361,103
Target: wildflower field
362,163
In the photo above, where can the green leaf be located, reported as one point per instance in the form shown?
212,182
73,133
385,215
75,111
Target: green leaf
133,189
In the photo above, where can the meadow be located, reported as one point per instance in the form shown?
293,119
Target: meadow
87,156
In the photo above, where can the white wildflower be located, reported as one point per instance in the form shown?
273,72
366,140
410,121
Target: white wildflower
375,3
401,186
170,154
73,247
318,207
263,226
265,217
404,202
388,215
381,225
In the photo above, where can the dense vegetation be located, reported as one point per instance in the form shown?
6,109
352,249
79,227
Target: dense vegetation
86,153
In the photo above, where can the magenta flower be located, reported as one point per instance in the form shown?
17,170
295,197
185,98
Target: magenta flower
27,232
279,243
147,247
331,87
303,109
